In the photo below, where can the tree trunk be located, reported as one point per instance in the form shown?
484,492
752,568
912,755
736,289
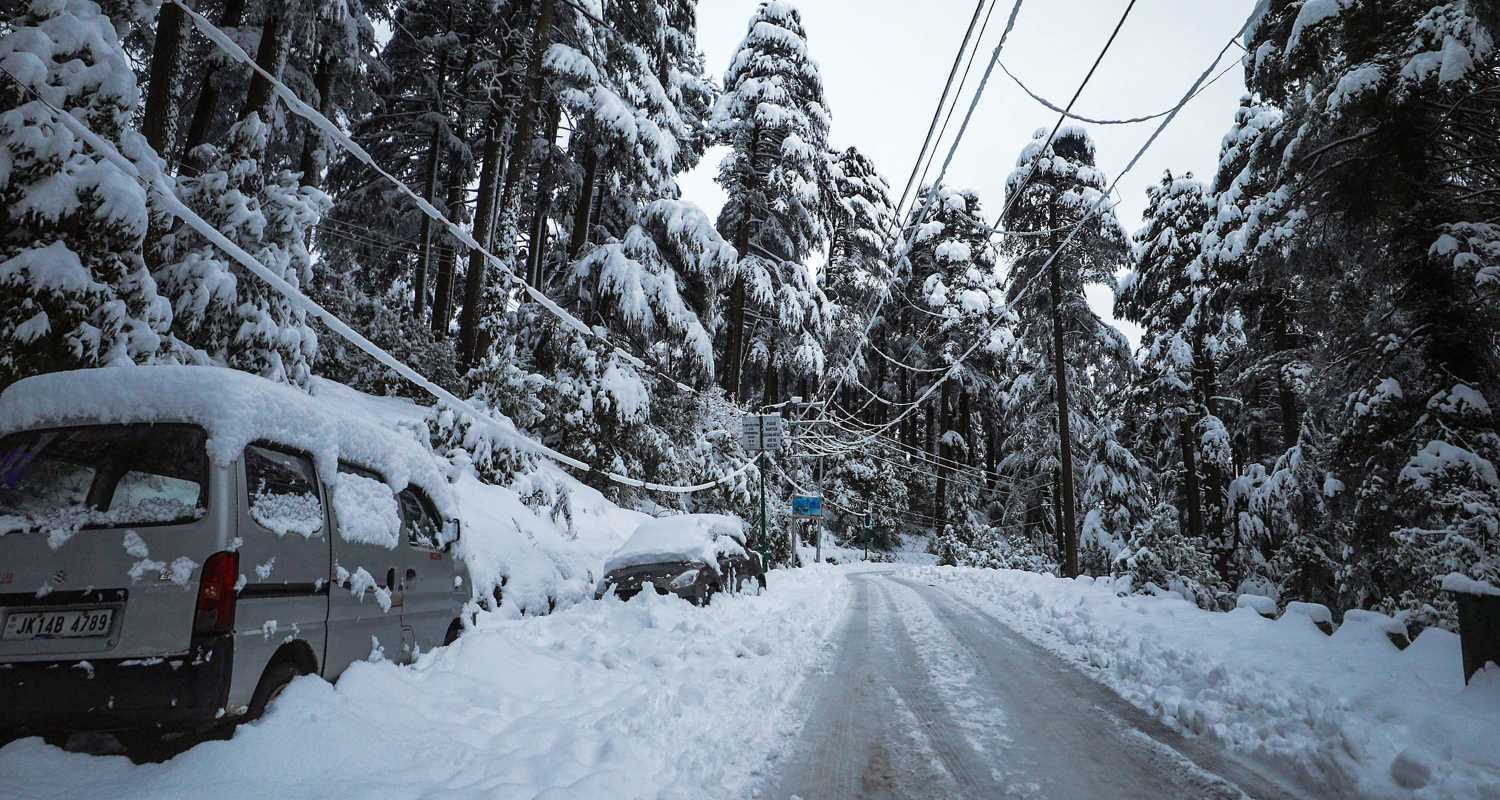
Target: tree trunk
583,211
429,193
1190,477
1069,533
442,300
542,209
1059,535
270,55
991,449
1212,487
734,337
468,324
945,453
164,87
521,140
208,97
1291,419
312,138
966,424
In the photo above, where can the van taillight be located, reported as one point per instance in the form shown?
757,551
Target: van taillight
216,594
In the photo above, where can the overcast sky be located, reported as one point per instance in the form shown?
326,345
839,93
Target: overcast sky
884,63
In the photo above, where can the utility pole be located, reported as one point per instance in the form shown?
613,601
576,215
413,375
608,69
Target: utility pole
760,463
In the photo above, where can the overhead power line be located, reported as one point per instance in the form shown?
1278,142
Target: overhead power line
329,129
1092,121
1077,226
150,175
942,100
963,128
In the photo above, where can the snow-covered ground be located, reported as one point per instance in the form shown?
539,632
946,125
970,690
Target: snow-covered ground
651,698
1350,711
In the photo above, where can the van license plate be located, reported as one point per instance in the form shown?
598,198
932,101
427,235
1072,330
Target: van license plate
81,623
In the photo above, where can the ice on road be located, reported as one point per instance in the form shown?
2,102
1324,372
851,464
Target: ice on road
930,697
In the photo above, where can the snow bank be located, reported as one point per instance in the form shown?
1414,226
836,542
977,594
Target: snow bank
1350,712
680,537
648,699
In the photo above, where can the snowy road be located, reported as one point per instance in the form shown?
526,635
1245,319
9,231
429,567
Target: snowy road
930,697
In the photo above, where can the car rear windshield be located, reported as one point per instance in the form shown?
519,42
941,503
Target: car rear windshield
102,476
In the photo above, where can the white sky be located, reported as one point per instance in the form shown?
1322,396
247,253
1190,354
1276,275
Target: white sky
884,62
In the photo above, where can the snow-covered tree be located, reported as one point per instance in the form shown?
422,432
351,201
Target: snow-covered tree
773,118
224,314
1055,188
1379,200
1166,293
958,306
659,285
1117,500
74,288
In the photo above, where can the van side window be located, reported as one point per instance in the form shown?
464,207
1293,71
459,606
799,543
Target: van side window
421,525
283,491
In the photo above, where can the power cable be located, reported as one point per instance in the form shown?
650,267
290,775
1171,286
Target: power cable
1091,211
932,192
150,175
331,131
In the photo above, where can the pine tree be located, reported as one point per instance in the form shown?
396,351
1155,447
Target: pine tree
773,118
1117,500
1054,188
958,306
225,315
1167,294
1389,110
74,289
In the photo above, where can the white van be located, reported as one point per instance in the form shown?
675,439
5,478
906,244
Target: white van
178,543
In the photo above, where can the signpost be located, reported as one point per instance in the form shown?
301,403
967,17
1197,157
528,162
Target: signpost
759,433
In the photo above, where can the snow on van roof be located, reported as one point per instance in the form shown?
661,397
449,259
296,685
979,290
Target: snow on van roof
682,537
234,407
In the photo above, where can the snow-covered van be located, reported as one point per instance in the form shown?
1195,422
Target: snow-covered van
178,543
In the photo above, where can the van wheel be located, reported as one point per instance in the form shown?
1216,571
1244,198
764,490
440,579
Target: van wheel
271,685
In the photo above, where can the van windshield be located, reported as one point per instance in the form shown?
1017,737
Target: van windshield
99,476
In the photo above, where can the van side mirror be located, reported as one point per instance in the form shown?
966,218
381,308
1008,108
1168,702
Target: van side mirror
452,532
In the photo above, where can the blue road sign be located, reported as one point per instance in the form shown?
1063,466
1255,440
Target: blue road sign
807,505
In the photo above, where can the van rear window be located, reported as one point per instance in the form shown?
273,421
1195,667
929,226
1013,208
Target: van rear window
102,476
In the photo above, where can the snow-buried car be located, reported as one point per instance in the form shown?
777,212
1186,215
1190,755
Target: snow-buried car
693,556
177,543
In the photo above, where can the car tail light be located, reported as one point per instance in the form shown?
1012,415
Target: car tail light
216,594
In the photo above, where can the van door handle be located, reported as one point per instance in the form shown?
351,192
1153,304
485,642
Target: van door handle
411,574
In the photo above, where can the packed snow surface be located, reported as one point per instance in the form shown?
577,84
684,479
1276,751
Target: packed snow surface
682,537
654,698
1349,711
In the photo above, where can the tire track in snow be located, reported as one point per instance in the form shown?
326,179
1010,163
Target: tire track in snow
1080,738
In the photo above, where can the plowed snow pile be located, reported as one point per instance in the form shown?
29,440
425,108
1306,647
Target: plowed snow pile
1350,711
648,699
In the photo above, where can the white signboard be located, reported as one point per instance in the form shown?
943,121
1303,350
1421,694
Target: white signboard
761,432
